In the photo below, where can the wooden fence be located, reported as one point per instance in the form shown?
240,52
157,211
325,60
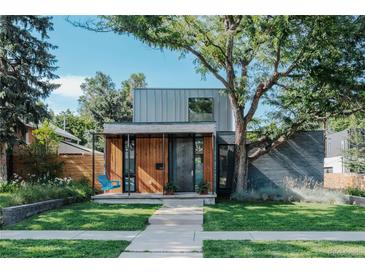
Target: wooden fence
343,180
75,167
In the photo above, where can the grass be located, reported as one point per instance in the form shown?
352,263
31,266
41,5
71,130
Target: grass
61,248
90,216
283,249
271,216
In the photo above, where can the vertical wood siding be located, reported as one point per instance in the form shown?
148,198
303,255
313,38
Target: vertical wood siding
114,160
148,153
208,161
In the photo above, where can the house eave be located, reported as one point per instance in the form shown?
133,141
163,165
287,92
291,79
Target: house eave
154,128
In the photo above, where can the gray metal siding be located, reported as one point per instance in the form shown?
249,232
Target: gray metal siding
336,142
171,105
302,156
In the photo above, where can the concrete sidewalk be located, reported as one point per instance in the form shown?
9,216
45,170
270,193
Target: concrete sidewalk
68,235
281,235
171,233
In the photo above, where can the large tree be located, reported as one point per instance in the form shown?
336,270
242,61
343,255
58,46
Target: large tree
102,101
26,70
308,68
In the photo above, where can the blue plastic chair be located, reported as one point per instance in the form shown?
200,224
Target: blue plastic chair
107,184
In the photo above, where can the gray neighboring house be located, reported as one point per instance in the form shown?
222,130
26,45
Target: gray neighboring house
336,144
186,136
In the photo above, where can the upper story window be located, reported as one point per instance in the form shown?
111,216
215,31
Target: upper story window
201,109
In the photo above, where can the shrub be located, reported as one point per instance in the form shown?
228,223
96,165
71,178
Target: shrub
355,191
203,188
61,188
291,189
169,187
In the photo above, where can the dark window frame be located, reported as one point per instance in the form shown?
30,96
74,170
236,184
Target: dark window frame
226,190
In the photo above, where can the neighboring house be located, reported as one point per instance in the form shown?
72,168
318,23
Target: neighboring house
336,145
186,136
69,144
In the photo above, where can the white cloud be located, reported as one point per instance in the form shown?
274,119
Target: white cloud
70,85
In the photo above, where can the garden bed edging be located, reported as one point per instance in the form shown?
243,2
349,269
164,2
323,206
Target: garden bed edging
14,214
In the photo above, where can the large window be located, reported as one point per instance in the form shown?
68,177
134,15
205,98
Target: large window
200,109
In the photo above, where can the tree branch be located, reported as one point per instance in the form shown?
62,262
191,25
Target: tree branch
206,63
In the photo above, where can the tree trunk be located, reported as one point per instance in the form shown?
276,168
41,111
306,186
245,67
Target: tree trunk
241,160
3,163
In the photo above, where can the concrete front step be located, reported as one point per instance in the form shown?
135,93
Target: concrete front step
161,255
179,211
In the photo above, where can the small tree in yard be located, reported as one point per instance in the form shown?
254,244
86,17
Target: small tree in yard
307,68
26,71
355,151
40,159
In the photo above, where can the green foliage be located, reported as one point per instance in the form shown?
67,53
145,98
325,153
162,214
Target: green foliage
170,187
26,192
26,69
40,159
203,188
355,151
346,122
355,191
78,125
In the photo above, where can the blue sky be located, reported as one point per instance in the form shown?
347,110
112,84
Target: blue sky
81,53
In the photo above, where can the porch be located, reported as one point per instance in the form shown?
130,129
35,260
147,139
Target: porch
186,198
144,157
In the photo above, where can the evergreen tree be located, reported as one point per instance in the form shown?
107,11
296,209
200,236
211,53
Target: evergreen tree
26,70
355,151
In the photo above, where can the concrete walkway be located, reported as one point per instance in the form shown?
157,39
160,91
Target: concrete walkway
171,233
68,235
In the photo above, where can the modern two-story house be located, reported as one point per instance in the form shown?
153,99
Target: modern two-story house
186,136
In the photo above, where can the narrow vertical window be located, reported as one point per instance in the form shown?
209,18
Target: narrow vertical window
198,161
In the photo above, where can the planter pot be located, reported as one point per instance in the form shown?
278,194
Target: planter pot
204,192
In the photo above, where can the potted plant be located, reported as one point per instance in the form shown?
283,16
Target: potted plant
169,188
203,188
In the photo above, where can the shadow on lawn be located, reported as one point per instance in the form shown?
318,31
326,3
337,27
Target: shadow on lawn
90,216
269,216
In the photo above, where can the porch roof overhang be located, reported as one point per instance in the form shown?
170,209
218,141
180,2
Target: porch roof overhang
155,128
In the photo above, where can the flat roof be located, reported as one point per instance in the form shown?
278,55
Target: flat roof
164,127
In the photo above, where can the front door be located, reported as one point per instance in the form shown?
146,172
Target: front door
183,164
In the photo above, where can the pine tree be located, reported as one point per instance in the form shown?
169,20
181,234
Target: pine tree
26,70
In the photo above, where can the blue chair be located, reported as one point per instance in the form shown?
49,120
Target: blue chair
107,184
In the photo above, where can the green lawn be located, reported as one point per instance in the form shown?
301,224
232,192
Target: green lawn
283,249
90,216
270,216
61,248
